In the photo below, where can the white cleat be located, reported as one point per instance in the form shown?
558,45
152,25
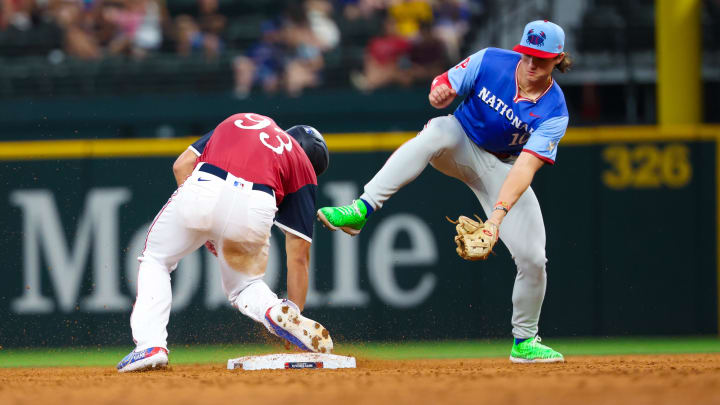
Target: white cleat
304,333
141,360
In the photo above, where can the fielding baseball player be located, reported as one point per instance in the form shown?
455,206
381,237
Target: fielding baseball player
241,178
506,128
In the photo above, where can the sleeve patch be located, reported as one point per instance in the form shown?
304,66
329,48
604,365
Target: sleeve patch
462,77
463,64
543,142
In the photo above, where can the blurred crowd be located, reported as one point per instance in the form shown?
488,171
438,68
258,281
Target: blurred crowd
290,50
93,29
418,37
417,40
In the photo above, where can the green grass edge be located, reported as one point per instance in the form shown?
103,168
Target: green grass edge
205,354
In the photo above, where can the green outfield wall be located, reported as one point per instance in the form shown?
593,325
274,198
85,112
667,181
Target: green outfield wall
631,219
147,116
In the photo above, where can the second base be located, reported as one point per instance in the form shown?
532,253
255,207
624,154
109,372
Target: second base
291,361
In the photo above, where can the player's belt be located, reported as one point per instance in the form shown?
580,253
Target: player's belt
499,155
216,171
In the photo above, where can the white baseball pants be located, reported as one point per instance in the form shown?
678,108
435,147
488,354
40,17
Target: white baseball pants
444,144
204,208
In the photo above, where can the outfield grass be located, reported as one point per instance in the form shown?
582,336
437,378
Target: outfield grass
199,354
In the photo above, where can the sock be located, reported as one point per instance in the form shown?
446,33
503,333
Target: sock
518,341
255,300
369,207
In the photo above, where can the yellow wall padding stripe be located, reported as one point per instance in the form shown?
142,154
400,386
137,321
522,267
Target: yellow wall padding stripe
345,142
93,148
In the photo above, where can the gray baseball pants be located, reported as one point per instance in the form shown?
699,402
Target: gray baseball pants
444,144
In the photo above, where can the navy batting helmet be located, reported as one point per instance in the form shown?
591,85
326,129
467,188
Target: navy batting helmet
314,146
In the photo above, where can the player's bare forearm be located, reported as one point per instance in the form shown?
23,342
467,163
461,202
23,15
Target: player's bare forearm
183,166
298,262
516,182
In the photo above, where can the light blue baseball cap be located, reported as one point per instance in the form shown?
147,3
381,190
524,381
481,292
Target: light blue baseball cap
542,38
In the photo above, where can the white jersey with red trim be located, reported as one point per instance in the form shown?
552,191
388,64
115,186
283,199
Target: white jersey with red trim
493,114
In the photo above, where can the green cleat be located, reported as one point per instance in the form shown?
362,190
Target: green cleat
531,351
350,218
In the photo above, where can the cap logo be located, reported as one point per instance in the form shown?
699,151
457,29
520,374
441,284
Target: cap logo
537,39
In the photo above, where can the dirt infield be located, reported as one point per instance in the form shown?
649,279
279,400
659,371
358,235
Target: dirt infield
677,379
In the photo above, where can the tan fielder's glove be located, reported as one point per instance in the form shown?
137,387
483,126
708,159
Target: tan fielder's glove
475,239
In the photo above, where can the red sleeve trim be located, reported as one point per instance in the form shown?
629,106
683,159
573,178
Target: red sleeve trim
539,156
442,79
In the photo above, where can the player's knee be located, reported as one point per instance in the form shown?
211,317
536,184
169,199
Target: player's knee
532,263
248,258
150,261
440,134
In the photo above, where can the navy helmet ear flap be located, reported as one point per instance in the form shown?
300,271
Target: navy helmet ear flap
313,143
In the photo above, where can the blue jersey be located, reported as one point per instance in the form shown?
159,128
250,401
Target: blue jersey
493,114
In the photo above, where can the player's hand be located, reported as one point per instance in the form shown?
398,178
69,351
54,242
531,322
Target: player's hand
441,96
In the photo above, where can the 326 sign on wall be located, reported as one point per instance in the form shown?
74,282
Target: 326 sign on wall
647,166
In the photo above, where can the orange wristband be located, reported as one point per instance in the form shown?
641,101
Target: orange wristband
502,205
